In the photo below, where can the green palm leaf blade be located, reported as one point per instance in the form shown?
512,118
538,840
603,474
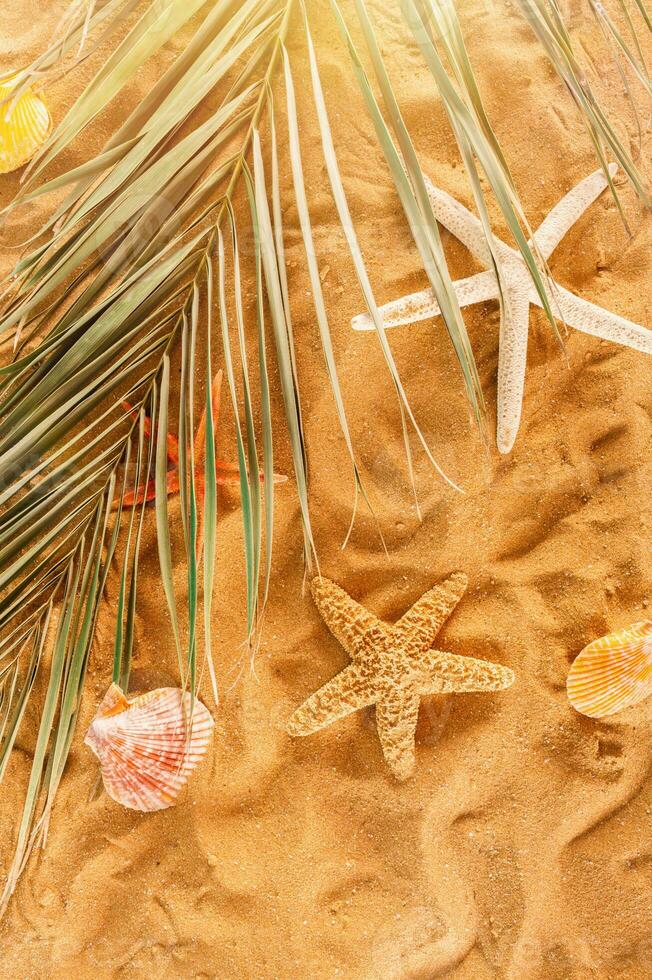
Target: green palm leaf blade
249,531
161,506
210,489
313,272
283,347
161,21
266,409
48,714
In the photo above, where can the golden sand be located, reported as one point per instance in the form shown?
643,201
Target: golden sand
521,848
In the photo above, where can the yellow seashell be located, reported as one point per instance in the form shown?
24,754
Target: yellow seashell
612,673
24,127
148,745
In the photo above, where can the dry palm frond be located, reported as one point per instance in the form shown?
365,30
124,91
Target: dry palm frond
125,276
140,235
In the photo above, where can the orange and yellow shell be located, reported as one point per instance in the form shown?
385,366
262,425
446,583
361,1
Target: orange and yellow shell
612,673
24,126
148,745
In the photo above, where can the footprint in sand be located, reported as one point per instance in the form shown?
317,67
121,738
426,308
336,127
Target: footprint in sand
417,943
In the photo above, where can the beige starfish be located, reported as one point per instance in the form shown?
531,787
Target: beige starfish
392,667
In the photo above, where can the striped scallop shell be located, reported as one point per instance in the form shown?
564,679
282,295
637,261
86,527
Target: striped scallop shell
24,127
612,673
145,746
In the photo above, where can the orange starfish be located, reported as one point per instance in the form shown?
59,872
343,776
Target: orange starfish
225,472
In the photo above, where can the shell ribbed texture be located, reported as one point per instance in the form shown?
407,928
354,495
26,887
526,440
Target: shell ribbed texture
148,746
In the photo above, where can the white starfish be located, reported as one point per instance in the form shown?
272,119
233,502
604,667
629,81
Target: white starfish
519,293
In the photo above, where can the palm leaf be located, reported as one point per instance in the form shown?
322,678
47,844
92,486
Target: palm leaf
109,342
124,280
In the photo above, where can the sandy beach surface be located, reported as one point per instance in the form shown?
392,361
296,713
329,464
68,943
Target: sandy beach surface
521,848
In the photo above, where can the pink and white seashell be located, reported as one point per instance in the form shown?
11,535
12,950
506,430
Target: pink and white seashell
148,745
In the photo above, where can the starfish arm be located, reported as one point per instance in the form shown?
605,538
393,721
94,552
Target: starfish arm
421,624
446,673
200,502
148,492
134,414
349,691
460,222
131,499
423,305
349,622
512,359
173,485
227,472
173,450
396,723
172,441
594,320
571,207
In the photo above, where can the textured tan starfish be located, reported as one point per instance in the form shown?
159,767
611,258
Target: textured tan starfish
392,667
